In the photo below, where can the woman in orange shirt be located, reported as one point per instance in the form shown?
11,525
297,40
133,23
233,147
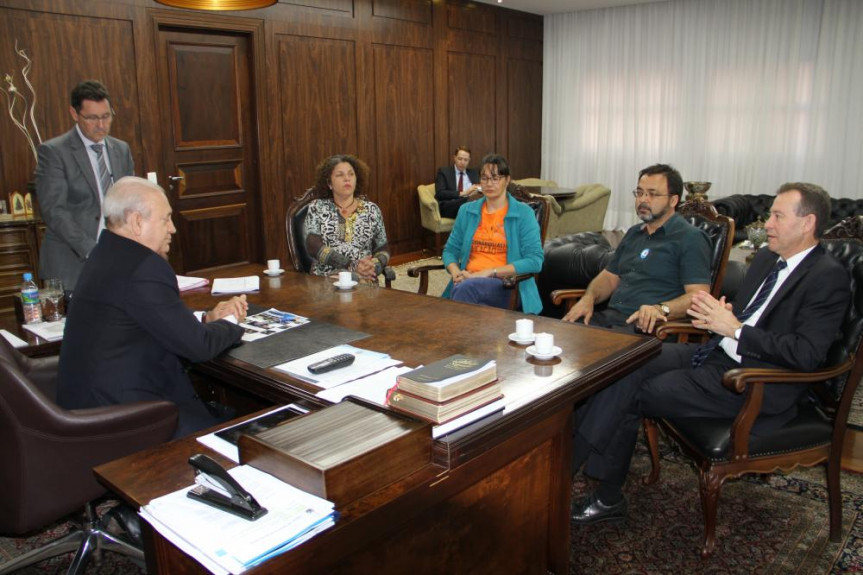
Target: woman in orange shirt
494,238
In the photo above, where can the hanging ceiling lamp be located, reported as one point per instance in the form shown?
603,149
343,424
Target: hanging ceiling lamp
218,4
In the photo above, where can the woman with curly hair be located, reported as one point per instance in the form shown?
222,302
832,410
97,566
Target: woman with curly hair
345,231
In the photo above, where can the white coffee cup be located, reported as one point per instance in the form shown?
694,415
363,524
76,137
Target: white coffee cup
345,278
273,266
524,328
544,343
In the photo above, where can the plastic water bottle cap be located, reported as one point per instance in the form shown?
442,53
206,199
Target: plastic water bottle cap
28,277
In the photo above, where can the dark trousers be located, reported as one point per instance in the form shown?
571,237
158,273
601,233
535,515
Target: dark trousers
607,424
449,208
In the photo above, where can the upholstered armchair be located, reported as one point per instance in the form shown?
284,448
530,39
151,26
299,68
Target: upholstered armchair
582,212
49,454
725,448
430,216
295,232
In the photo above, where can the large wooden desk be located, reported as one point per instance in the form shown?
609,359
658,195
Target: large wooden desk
495,499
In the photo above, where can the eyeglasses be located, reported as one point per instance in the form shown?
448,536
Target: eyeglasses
95,119
491,180
638,194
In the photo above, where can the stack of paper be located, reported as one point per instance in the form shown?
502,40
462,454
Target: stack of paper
47,330
186,282
225,543
236,285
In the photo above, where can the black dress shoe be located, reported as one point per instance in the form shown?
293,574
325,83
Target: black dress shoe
590,510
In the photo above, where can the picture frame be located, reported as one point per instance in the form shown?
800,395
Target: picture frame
16,201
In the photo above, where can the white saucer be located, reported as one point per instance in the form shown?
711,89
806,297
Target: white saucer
274,272
555,351
344,286
514,337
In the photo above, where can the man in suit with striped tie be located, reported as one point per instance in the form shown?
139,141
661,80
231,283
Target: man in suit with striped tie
72,175
787,314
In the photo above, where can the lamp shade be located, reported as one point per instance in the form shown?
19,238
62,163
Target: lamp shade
218,4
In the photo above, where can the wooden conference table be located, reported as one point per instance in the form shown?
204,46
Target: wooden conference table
495,499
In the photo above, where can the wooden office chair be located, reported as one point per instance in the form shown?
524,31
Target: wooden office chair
48,455
701,214
542,209
430,216
295,231
724,448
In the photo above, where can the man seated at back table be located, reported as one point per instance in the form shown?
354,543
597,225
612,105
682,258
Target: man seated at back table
127,331
787,314
454,184
658,265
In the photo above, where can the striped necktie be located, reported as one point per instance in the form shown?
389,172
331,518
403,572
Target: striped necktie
104,174
760,298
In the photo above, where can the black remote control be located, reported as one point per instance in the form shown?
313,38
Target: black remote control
331,363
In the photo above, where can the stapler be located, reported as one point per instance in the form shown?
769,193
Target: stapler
217,488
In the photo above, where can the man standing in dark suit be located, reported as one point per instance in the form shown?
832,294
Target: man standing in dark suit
128,332
787,314
72,175
455,183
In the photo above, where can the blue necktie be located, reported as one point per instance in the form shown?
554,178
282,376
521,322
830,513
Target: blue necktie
760,298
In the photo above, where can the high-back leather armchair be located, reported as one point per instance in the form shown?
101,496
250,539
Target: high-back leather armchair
48,453
724,448
295,232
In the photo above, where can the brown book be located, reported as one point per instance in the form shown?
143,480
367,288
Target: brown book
441,412
342,452
448,378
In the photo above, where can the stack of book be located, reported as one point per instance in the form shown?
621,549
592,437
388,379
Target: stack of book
446,389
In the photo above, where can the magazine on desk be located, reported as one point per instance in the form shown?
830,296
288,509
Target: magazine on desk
270,322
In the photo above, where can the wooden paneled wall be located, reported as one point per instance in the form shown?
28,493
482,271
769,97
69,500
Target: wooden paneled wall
400,83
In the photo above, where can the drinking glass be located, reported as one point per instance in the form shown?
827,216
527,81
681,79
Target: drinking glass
53,298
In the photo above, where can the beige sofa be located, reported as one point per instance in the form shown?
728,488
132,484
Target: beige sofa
582,212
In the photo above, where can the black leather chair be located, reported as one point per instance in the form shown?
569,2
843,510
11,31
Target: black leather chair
725,448
541,206
48,455
746,208
295,231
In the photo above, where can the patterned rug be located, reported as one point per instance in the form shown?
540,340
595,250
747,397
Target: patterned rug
438,279
778,525
110,564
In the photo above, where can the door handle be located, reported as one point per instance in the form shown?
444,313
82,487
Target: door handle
174,181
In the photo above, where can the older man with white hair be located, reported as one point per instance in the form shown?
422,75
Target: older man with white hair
128,333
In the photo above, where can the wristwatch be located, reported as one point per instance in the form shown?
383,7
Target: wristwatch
664,308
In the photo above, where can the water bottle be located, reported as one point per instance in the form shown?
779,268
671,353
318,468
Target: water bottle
30,300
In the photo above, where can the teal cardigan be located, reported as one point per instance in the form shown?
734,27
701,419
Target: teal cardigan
523,245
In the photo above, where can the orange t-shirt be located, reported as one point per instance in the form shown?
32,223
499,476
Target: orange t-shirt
489,241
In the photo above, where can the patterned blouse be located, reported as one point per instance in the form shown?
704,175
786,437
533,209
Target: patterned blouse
336,244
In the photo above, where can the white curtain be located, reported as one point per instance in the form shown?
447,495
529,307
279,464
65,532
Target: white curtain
747,94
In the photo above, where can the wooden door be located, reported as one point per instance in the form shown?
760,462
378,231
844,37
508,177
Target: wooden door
206,110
